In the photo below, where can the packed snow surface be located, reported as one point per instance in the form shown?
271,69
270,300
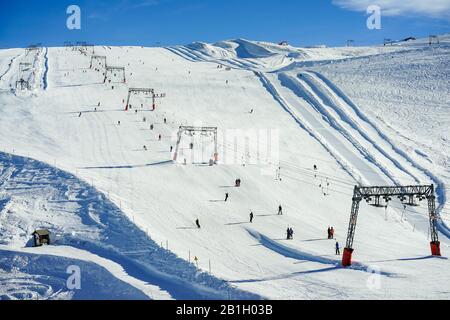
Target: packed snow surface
104,183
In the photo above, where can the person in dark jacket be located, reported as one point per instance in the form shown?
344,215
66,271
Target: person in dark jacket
338,251
251,217
226,197
197,222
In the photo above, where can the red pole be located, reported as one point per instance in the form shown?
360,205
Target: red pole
347,257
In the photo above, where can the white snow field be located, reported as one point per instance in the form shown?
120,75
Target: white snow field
126,214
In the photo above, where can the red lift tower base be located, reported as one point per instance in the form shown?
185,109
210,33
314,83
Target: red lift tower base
347,257
435,248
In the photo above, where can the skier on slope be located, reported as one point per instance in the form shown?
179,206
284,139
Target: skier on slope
197,222
338,251
280,210
226,197
251,217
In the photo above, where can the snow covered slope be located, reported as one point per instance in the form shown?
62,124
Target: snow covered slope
117,206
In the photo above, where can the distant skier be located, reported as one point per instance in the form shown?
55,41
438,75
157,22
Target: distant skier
197,222
251,111
171,148
165,120
338,251
151,127
280,210
145,148
251,217
118,123
226,197
79,116
159,137
331,233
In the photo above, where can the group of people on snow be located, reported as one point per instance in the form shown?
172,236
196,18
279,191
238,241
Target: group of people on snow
330,233
290,233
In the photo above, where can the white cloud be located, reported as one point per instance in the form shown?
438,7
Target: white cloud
429,8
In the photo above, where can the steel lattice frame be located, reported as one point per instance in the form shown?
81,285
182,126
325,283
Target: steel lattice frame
101,58
191,129
360,193
144,91
23,84
112,69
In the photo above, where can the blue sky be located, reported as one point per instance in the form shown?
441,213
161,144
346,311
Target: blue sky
168,22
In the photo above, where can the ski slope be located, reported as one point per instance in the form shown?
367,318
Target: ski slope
126,213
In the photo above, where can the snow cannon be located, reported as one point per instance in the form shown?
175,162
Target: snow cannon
347,257
435,248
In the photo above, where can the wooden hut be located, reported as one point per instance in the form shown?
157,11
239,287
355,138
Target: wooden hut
41,237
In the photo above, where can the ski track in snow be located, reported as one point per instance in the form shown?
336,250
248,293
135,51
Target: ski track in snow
9,66
311,88
302,123
103,235
44,77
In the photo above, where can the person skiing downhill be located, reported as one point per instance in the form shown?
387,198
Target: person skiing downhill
226,197
280,210
251,217
197,222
